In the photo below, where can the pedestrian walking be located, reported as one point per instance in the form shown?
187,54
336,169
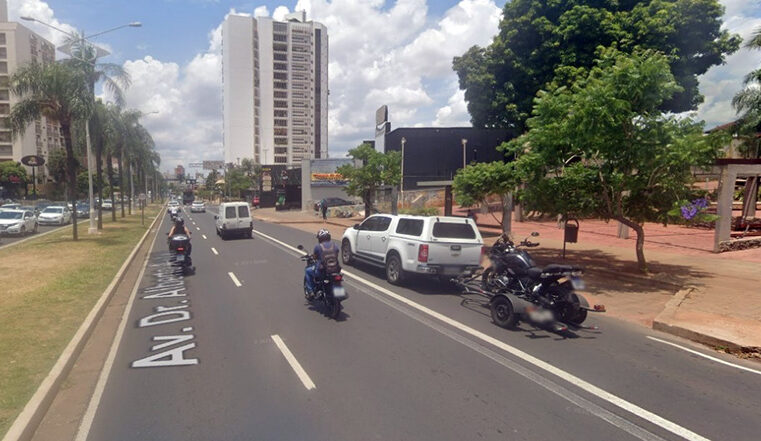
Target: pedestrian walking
324,209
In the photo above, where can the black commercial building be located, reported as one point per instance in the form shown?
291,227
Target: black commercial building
436,153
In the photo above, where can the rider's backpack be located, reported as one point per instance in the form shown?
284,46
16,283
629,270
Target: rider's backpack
330,257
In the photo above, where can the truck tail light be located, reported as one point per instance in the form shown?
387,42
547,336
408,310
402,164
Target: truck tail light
422,253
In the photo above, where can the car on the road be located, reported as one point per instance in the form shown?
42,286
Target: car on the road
172,204
443,246
54,215
11,206
17,222
107,204
234,218
332,202
198,207
83,210
33,209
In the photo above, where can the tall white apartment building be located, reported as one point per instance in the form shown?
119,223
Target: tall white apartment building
18,47
275,89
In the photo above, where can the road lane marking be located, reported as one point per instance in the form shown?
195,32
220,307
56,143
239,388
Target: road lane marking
547,367
214,250
295,365
717,360
235,280
100,386
198,228
204,236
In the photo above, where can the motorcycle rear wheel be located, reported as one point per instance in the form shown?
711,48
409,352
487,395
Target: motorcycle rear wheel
573,313
502,313
334,308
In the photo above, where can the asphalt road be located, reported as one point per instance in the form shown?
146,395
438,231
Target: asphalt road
206,357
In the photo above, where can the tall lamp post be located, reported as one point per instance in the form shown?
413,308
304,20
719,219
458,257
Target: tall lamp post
82,39
401,184
464,142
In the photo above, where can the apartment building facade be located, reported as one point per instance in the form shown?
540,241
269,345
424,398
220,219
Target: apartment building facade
275,76
20,46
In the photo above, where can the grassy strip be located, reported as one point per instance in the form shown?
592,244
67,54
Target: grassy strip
47,288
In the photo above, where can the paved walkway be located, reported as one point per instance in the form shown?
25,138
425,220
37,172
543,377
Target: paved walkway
719,301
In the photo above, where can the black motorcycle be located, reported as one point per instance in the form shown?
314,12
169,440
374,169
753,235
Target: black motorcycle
552,288
328,289
179,245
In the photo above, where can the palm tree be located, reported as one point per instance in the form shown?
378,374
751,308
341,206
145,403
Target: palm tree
57,92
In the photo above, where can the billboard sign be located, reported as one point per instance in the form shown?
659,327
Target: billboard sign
323,171
213,165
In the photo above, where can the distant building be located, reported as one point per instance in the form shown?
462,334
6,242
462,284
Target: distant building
179,172
20,46
275,78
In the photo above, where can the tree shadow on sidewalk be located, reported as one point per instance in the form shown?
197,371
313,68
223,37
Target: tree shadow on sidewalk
604,271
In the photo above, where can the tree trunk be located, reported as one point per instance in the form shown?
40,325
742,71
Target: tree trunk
120,160
110,171
507,212
129,175
640,247
71,172
99,181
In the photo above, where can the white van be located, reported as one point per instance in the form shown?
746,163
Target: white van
234,218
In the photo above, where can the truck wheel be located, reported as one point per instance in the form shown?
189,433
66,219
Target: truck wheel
394,271
502,313
346,257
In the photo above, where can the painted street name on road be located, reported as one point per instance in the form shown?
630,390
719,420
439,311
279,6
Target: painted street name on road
168,288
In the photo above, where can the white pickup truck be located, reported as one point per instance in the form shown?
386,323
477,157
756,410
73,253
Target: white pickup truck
437,245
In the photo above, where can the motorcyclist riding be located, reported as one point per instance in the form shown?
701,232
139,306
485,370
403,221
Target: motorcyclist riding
180,228
325,256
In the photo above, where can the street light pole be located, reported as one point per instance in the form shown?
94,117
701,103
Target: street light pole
401,184
93,229
464,146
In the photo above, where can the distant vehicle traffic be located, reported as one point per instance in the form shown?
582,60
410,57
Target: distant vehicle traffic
188,197
171,205
54,215
436,245
198,207
83,210
17,222
107,204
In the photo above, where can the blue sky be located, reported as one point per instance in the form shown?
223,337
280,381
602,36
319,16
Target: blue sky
395,52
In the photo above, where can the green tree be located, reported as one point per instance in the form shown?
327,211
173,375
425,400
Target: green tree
747,103
602,148
237,181
540,41
57,92
13,175
377,169
476,182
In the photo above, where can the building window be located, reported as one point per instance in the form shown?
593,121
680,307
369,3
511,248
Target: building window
281,104
3,53
280,27
281,160
280,57
2,37
281,123
4,95
4,80
281,114
281,141
4,67
280,66
281,150
5,136
5,109
281,132
282,47
281,94
280,85
280,75
6,150
5,123
279,37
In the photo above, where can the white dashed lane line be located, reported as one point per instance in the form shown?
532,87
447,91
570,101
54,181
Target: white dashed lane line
235,280
295,365
216,253
204,236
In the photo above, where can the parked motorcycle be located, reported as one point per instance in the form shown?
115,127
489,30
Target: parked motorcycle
328,289
552,288
179,245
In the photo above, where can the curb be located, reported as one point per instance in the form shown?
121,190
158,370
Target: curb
661,323
28,420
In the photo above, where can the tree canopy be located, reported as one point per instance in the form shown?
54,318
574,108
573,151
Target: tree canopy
377,169
542,41
602,147
747,103
474,183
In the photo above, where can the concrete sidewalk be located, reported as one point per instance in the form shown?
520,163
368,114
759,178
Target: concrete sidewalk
714,299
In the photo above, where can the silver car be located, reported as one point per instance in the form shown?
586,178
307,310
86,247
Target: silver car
54,215
198,207
17,222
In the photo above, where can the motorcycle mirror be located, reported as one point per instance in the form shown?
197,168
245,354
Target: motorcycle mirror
534,234
301,247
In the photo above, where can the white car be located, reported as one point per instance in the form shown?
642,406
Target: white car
54,215
439,245
197,207
18,222
172,204
107,204
234,218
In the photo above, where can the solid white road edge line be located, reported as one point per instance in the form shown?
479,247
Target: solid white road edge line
576,381
235,279
295,365
100,386
214,250
717,360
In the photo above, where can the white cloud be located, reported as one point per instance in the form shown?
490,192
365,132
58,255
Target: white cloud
41,11
261,11
279,13
455,113
721,83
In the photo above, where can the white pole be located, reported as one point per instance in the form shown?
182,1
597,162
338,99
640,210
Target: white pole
93,229
401,184
464,157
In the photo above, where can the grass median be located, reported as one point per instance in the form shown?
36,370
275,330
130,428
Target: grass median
48,285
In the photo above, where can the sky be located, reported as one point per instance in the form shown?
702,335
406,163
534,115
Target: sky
394,52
